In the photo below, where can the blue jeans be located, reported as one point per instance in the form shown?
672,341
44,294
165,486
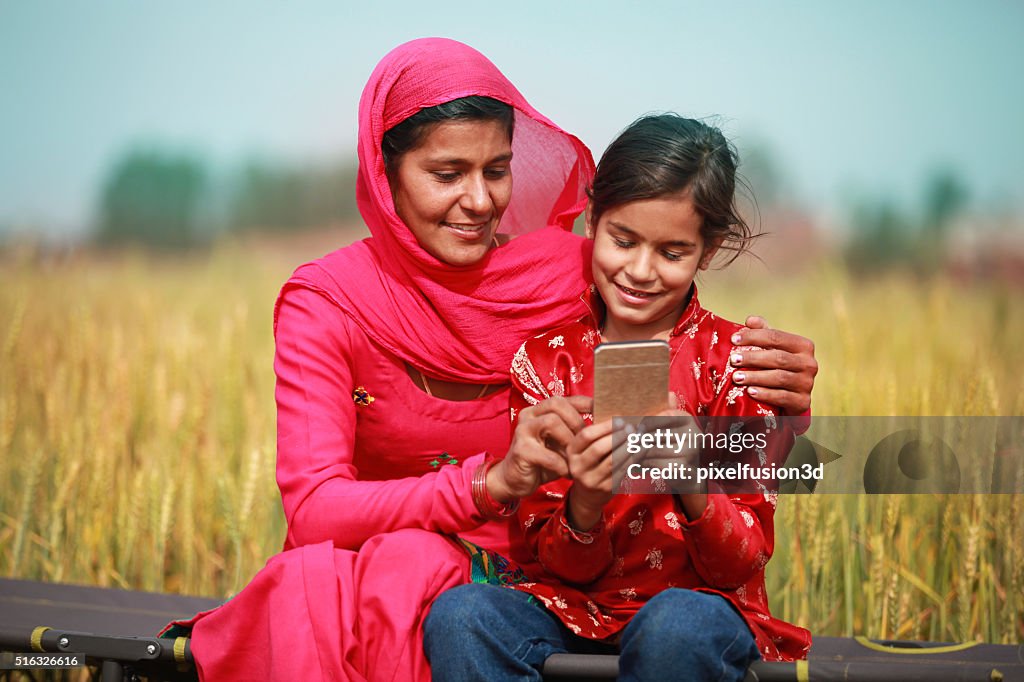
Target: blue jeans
485,632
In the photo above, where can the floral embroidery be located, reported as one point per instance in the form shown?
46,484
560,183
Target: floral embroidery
618,567
748,520
559,601
576,374
696,368
734,392
673,521
360,396
772,498
714,337
552,495
628,593
557,341
769,417
691,331
762,456
654,558
529,520
638,525
556,385
442,459
590,338
524,371
512,414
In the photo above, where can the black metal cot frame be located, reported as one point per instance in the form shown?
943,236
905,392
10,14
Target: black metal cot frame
119,656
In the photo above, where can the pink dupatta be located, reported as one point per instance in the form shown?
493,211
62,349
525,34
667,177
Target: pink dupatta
460,323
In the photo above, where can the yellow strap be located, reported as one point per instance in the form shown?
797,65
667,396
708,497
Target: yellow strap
37,638
179,650
803,672
875,646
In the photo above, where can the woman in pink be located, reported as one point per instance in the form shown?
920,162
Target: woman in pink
392,365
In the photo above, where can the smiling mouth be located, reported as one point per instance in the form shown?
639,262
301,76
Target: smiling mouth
467,227
635,293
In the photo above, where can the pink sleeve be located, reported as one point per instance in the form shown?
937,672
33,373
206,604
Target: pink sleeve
316,427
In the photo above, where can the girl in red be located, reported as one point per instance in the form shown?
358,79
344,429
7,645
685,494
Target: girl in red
674,583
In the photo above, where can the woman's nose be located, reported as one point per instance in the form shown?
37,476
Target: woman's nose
477,197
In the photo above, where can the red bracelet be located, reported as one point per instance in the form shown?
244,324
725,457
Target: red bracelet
486,504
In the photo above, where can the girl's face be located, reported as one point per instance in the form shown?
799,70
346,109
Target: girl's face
646,254
452,190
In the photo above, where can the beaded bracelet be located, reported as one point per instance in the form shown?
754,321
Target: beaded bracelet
486,504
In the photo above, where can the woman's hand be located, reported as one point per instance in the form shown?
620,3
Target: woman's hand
782,374
537,453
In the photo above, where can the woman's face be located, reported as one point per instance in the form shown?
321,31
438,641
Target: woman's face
452,190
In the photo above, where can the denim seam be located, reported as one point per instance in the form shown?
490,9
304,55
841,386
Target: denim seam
722,658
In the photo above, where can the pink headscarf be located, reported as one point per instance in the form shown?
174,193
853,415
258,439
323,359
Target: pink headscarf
460,323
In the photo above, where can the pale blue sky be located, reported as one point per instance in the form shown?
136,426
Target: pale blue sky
851,97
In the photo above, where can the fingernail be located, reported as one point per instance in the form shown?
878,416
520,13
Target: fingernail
736,359
751,391
739,376
736,338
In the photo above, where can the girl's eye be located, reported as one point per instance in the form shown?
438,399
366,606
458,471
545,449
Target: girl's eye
672,255
446,176
496,173
622,243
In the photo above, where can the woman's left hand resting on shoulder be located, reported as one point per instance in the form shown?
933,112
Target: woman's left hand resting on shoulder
782,373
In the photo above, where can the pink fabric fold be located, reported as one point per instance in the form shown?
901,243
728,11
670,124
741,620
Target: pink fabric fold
321,613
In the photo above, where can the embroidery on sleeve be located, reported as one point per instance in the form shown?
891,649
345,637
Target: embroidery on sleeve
525,372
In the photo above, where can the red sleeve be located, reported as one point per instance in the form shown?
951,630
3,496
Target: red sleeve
735,536
569,555
316,428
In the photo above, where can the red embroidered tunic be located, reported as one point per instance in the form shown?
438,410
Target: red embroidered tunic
595,582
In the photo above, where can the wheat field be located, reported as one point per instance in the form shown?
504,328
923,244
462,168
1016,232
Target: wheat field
137,432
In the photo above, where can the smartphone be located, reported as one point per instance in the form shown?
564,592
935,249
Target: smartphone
630,379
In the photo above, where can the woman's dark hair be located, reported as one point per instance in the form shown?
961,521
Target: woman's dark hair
667,154
409,134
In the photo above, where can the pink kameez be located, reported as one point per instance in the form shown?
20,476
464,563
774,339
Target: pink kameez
373,471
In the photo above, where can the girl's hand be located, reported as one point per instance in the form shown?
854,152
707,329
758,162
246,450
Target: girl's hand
537,452
782,374
590,459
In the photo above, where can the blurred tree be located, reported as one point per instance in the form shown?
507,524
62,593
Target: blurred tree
273,196
884,237
154,198
881,236
945,195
